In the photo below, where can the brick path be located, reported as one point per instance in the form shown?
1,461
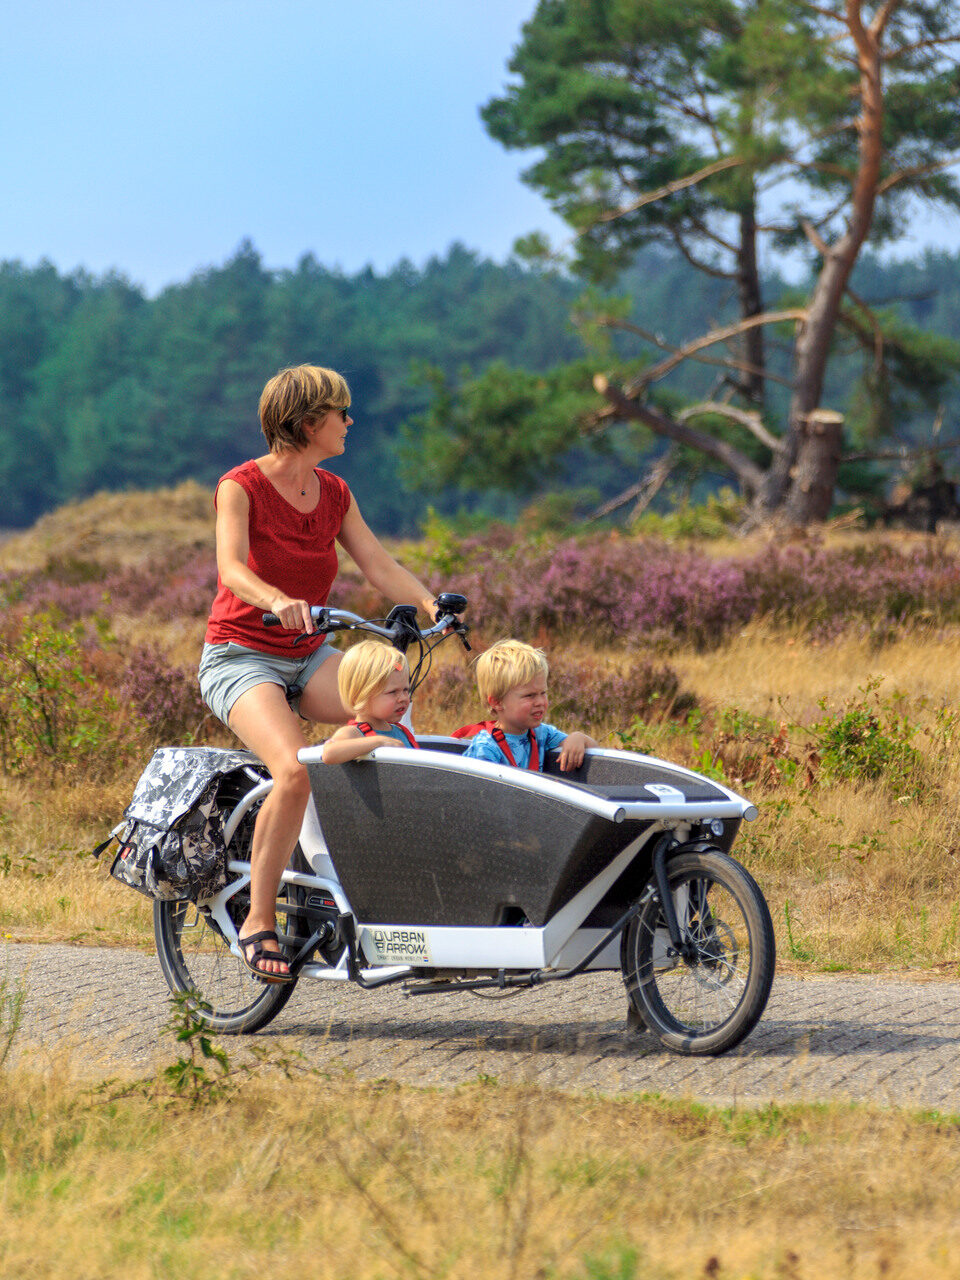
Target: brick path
99,1011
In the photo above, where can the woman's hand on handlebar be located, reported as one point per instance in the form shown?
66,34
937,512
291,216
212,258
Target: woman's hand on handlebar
293,615
450,606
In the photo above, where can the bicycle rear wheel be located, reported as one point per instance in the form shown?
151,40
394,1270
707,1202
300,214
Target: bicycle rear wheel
196,958
708,1003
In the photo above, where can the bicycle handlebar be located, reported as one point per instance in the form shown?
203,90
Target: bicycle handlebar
399,628
327,620
400,624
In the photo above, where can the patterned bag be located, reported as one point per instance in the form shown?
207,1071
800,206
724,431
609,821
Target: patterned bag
171,839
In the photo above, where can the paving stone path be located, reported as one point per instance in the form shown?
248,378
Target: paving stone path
99,1011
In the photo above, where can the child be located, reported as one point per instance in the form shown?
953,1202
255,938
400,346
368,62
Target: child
374,683
512,681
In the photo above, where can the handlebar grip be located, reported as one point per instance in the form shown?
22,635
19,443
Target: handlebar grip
317,612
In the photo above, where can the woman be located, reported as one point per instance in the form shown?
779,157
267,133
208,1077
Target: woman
278,517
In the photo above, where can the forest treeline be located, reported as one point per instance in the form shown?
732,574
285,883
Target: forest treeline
105,388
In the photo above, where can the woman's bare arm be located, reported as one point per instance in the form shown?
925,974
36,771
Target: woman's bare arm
379,567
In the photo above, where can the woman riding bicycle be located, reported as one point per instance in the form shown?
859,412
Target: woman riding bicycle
278,518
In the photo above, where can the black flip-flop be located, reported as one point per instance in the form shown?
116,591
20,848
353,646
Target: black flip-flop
256,940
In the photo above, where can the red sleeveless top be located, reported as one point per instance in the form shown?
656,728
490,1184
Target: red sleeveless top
289,549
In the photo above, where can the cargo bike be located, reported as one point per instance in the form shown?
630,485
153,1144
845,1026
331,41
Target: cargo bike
441,874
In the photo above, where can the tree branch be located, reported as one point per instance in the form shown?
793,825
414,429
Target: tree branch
874,325
881,17
832,14
750,476
701,227
854,21
745,417
719,166
892,54
916,171
644,490
710,339
728,362
898,455
681,104
705,267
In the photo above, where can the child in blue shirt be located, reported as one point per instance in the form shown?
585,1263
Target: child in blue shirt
512,682
374,683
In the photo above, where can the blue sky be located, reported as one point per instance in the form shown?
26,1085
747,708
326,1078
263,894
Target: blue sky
153,138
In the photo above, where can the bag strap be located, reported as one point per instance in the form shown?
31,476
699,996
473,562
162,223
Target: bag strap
116,834
100,847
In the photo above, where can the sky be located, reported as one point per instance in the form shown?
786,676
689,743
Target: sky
152,139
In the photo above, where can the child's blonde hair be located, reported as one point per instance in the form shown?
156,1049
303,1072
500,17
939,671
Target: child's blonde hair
507,664
365,669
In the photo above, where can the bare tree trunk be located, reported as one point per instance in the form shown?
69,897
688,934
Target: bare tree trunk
799,485
815,471
752,381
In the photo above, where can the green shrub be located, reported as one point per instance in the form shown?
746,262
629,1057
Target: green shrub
868,739
718,517
52,709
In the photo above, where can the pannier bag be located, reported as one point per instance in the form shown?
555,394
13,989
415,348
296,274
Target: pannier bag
171,836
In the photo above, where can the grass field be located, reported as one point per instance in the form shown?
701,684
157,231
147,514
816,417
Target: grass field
208,1171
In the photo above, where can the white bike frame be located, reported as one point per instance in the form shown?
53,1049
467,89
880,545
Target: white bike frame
391,951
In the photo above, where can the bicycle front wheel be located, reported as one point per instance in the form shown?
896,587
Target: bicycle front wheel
708,1002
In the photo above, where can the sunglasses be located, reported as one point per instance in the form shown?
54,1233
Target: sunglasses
344,414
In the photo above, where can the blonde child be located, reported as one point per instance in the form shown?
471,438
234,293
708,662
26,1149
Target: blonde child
374,683
512,682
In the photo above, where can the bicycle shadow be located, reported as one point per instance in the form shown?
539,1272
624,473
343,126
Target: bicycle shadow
611,1038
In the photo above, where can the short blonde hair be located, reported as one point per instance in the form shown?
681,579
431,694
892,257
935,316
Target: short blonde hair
303,391
507,664
365,669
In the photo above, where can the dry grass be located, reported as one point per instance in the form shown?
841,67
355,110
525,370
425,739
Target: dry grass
764,668
115,529
857,875
376,1181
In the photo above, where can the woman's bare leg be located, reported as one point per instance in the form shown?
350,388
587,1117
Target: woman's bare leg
320,701
261,718
263,721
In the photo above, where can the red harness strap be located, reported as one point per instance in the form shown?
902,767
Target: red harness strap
500,739
471,730
369,732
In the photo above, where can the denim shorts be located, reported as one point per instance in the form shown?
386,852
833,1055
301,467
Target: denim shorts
228,670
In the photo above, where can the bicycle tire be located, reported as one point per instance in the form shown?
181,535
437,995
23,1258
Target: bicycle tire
197,962
708,1004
